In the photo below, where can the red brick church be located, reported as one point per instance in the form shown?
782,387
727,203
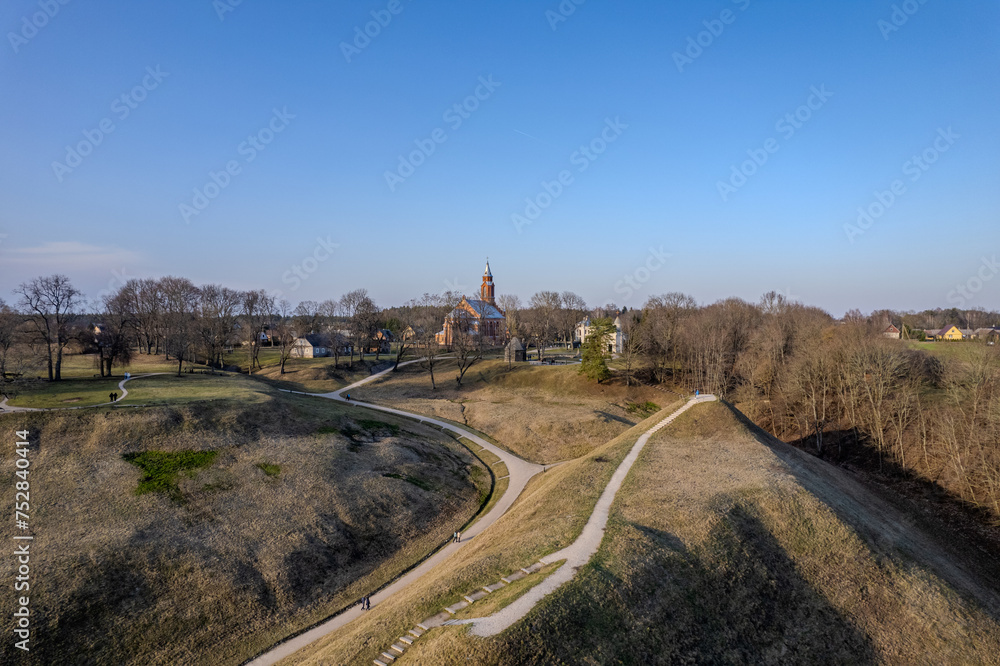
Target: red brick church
478,316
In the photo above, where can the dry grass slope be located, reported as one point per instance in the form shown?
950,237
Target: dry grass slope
241,557
719,551
542,413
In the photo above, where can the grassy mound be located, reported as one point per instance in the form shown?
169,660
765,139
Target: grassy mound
541,413
283,528
722,547
548,516
318,375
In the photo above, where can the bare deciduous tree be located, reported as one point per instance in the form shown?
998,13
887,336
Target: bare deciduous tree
146,303
180,301
14,354
113,336
217,310
284,329
511,306
256,313
306,317
429,314
469,340
350,305
664,315
633,342
51,304
541,320
573,310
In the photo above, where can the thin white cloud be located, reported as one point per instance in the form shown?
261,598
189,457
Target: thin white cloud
67,256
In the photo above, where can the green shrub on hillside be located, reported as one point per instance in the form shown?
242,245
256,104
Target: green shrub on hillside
646,408
160,468
269,468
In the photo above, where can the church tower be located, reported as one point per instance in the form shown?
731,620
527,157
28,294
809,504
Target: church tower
486,291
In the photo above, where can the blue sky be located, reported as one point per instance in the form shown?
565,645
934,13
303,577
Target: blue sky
645,215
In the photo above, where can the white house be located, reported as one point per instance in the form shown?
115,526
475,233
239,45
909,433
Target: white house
615,339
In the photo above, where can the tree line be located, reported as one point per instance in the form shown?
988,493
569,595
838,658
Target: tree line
184,322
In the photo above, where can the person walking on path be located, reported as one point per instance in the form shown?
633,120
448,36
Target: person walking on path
111,396
458,537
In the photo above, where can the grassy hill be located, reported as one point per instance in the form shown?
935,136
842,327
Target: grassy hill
541,413
723,546
201,532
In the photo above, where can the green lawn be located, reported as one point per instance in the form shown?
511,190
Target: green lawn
157,389
84,366
66,393
950,351
163,389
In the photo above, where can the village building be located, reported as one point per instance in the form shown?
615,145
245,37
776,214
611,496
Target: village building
478,316
381,343
615,339
515,352
952,333
892,333
314,345
988,334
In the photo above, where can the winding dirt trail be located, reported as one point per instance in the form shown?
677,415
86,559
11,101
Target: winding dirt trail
9,409
520,472
580,551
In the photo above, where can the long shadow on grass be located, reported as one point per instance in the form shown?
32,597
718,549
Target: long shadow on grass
737,599
140,603
611,417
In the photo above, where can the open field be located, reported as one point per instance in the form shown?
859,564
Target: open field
541,413
204,532
721,549
43,394
171,389
82,384
316,375
85,366
158,389
957,351
80,387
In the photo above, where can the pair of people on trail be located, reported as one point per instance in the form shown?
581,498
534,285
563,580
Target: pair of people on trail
366,603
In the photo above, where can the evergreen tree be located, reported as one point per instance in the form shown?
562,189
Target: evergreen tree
595,349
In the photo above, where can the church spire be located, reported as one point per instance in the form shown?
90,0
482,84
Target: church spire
486,291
